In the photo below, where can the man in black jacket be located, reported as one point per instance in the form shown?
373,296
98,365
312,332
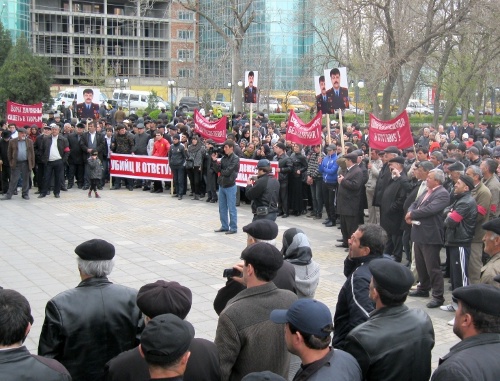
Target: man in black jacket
354,305
87,326
228,167
55,150
16,363
263,192
285,167
396,342
76,160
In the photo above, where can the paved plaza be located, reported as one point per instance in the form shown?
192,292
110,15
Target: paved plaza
156,237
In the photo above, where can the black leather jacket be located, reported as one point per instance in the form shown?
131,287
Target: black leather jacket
460,220
393,333
264,192
87,326
228,167
286,167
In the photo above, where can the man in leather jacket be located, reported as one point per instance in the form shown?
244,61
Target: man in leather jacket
354,305
396,342
285,167
87,326
263,192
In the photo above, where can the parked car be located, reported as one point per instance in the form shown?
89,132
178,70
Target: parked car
415,107
189,103
137,99
295,104
352,110
225,106
270,105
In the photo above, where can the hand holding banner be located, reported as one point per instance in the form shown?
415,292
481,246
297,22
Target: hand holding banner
394,132
210,130
304,133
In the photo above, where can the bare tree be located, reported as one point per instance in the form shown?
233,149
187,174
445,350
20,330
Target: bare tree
239,18
94,68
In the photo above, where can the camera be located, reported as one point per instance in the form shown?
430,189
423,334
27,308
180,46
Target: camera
229,273
217,148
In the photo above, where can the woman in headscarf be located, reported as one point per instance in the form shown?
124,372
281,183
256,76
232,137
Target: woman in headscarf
297,251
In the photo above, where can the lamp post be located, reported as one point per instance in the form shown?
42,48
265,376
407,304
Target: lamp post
240,85
230,86
359,85
171,84
121,83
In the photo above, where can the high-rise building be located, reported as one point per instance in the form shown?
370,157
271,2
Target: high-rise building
277,43
147,42
15,16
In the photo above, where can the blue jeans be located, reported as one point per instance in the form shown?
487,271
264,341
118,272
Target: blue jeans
227,202
178,177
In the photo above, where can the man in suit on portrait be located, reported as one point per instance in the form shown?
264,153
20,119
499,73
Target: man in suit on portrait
338,97
250,90
321,98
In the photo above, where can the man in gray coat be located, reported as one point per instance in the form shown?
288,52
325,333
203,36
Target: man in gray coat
247,340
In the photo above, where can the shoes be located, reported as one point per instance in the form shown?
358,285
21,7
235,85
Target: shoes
57,196
99,187
115,188
137,186
179,198
86,187
90,194
41,195
213,201
451,322
130,188
97,195
284,216
196,197
80,187
419,294
326,221
208,200
220,230
64,189
318,217
280,214
146,189
15,193
7,198
70,186
174,195
342,245
448,307
329,225
158,191
310,215
434,303
340,240
231,232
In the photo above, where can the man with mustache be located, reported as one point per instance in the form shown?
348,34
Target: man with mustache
337,97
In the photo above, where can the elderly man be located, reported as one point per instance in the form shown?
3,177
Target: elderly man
21,155
425,216
396,342
491,241
477,324
374,166
308,328
55,152
489,169
16,363
354,305
87,326
155,299
246,339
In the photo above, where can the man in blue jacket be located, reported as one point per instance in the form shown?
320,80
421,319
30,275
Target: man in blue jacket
328,168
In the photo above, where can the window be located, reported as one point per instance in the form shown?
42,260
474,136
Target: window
185,34
184,54
134,97
185,73
186,15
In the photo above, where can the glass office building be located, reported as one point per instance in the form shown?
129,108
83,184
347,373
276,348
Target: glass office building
276,44
15,16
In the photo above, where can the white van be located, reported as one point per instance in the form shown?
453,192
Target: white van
136,99
69,95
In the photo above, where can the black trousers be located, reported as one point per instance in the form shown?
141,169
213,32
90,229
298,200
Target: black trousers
77,170
348,225
5,178
283,200
329,193
53,169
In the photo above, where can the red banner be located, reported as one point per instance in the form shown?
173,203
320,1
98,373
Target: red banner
301,133
157,168
210,130
394,132
22,115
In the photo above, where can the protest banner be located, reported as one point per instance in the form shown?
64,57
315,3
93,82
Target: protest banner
22,115
157,168
394,132
210,130
304,133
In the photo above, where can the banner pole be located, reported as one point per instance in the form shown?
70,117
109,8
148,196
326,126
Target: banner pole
251,117
328,138
341,130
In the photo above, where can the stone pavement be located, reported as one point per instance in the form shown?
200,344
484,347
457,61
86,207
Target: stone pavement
156,237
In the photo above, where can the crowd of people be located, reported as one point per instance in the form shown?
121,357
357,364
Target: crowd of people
441,192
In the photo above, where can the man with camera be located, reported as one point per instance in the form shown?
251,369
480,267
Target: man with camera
263,190
228,167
